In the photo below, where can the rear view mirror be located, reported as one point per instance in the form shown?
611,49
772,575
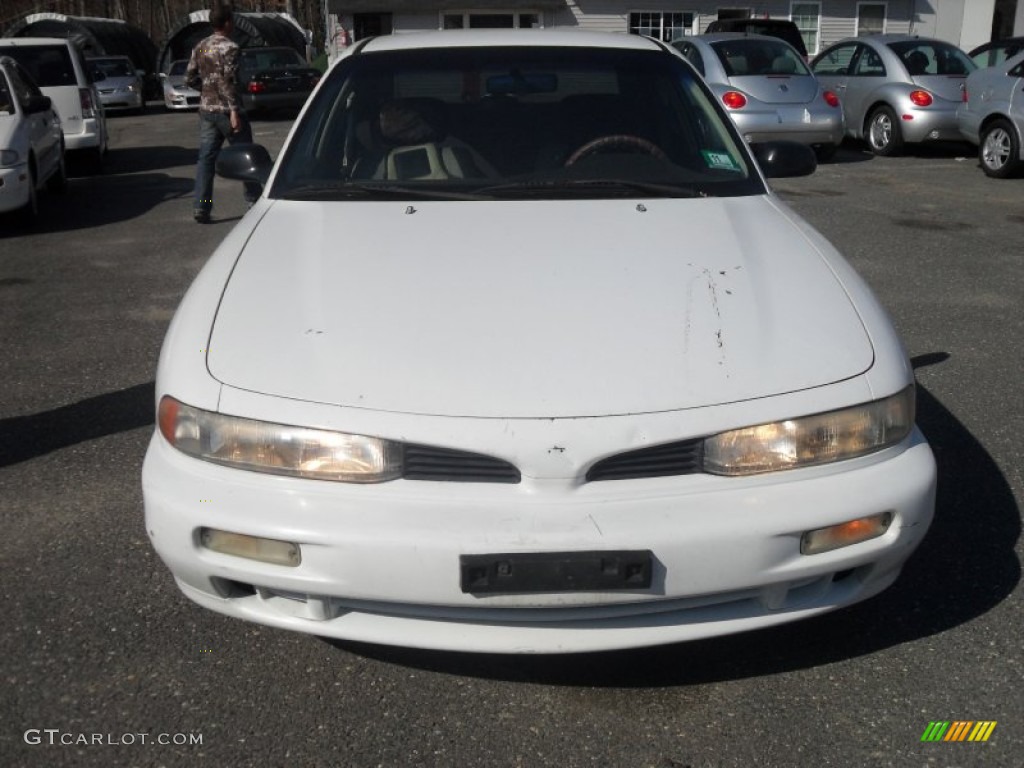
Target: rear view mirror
785,159
97,76
245,162
38,104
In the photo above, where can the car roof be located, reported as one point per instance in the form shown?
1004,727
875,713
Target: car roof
715,37
28,42
484,38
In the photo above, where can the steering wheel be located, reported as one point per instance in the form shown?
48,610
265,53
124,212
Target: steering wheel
616,140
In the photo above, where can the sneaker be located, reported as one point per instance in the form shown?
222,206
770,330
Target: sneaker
201,216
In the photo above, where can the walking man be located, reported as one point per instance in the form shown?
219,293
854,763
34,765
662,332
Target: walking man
215,61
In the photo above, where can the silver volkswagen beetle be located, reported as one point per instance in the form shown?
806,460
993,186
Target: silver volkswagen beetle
767,89
992,116
896,89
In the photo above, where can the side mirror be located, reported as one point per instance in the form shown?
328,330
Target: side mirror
38,104
245,162
785,159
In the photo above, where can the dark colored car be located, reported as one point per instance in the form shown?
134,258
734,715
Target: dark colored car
275,78
784,29
997,51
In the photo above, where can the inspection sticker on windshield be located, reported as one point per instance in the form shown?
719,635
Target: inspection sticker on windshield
719,160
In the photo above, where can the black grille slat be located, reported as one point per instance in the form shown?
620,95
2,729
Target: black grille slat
425,462
679,458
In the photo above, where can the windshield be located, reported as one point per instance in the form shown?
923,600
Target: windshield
932,57
113,67
516,122
178,68
6,100
759,57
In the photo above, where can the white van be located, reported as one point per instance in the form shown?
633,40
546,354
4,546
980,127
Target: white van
59,70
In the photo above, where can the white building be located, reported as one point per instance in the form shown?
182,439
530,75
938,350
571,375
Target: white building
967,23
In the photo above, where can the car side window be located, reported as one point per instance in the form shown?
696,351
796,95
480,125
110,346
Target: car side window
835,61
693,56
868,63
6,99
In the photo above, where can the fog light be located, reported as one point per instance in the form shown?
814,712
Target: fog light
844,534
251,547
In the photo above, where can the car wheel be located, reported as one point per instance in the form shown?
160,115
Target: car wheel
884,135
59,181
28,214
999,151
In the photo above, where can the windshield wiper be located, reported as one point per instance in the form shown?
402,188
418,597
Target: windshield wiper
343,190
546,187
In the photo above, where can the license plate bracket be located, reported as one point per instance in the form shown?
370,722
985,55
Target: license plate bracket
593,571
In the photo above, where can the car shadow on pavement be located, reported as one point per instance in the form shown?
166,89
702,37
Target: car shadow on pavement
965,566
138,159
26,437
97,201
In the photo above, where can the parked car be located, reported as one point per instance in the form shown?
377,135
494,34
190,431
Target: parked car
274,78
31,143
992,116
784,29
767,89
57,67
177,94
119,83
997,51
896,89
549,367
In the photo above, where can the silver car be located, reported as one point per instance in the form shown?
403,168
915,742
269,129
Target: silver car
896,89
767,89
993,116
177,95
119,83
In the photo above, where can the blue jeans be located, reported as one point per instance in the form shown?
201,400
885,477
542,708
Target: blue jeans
214,128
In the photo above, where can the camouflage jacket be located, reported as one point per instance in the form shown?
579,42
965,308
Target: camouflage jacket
215,61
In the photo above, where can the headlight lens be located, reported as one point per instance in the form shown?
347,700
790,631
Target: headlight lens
279,449
819,439
8,158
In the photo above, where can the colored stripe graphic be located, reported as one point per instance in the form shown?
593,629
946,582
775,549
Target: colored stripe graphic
982,730
958,730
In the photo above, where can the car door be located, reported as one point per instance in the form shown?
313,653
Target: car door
832,68
43,126
1016,110
867,75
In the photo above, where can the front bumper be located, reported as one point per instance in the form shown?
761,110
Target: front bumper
790,123
121,100
176,100
14,188
380,563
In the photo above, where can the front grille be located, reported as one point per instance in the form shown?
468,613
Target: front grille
426,462
680,458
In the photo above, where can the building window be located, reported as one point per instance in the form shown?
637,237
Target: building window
660,25
807,17
870,19
370,25
492,20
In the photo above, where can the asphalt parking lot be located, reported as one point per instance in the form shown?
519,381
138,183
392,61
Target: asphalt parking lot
103,660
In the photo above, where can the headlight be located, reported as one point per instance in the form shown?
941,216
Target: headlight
8,157
279,449
819,439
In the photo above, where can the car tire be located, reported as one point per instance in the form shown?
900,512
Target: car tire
884,134
26,216
58,182
999,150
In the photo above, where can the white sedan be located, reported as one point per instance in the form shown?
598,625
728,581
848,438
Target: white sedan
518,352
31,143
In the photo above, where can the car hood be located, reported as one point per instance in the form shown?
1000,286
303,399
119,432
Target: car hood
533,309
